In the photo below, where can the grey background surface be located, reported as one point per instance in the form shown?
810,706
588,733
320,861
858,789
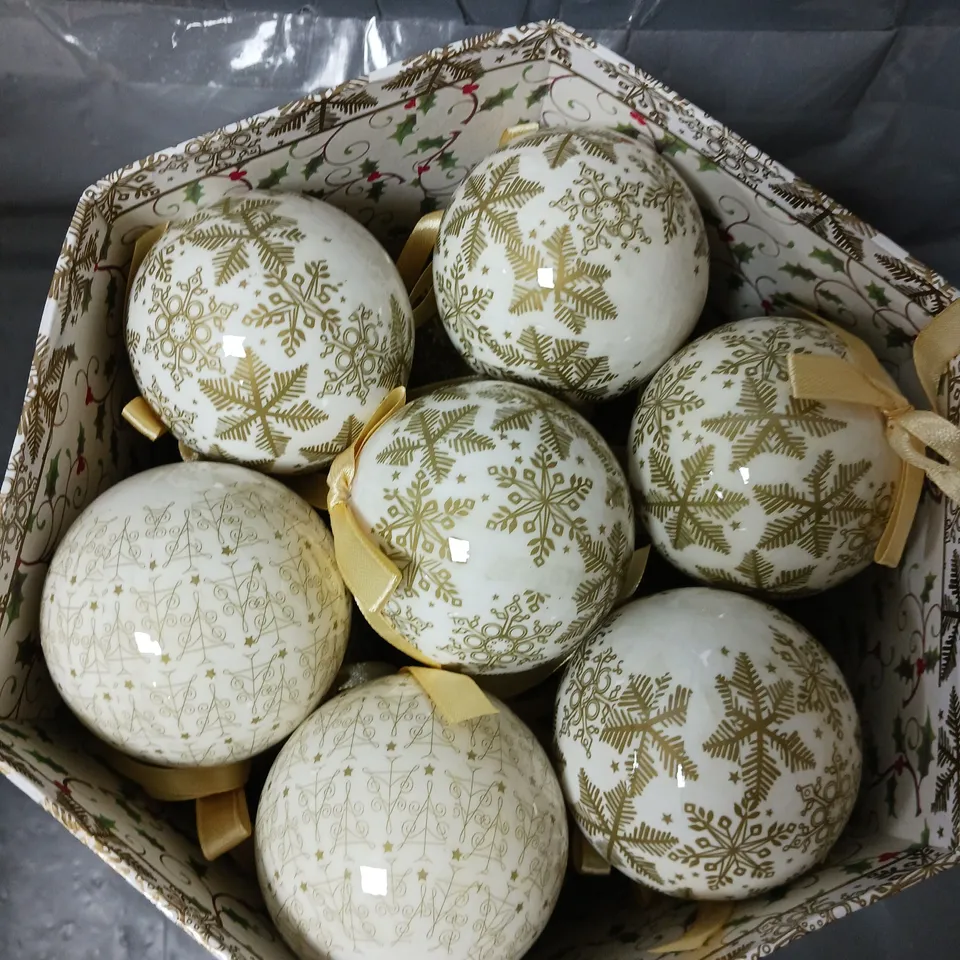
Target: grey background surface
861,97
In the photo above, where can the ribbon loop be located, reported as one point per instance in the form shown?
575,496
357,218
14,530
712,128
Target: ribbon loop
860,378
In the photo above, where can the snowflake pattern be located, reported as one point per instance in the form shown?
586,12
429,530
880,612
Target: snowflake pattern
759,575
513,636
667,399
606,211
827,803
542,502
462,307
182,334
594,689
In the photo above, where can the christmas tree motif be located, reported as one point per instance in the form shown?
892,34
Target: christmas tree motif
225,512
449,901
559,147
486,743
561,362
177,420
426,829
363,357
821,691
638,721
762,355
182,334
476,805
948,762
344,821
116,647
491,932
762,426
159,611
437,438
415,532
118,550
729,848
463,306
351,730
604,563
509,638
185,546
533,830
156,521
668,398
325,452
297,304
827,803
606,211
605,817
266,404
593,689
236,228
245,592
690,510
487,211
811,518
542,502
430,734
175,701
265,686
557,275
392,790
200,632
667,194
758,574
216,714
751,734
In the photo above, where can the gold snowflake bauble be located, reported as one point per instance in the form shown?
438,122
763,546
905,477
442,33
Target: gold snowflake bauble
743,486
573,260
709,746
275,324
508,517
384,833
193,614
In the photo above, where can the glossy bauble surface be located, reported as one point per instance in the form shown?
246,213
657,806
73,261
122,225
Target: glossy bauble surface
709,745
266,328
742,485
384,833
571,259
193,614
509,518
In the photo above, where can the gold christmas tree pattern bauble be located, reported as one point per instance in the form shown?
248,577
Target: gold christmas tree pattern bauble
193,614
709,745
571,259
742,485
266,328
384,833
508,517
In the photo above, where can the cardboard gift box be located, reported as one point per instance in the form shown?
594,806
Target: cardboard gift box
388,148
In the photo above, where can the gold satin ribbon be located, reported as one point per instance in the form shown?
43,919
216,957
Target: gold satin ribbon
139,414
372,577
712,916
518,130
415,270
861,379
223,820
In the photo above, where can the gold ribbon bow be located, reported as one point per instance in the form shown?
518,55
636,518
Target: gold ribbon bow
372,577
223,820
861,379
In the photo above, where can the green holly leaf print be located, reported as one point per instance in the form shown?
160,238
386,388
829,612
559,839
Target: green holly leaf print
742,251
537,94
405,128
53,475
928,581
627,130
312,166
13,732
799,271
53,765
890,797
877,294
81,441
447,161
428,102
426,144
857,868
896,338
828,258
105,823
376,190
925,749
151,840
899,743
499,98
113,294
904,669
276,175
194,192
707,164
832,297
368,166
16,596
98,419
671,145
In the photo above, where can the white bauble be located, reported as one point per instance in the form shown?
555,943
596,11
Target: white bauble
384,833
193,614
709,746
266,329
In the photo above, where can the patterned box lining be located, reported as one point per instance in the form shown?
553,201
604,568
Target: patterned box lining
386,150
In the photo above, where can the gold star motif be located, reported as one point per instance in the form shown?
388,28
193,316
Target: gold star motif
485,498
428,770
471,755
514,444
770,668
501,786
388,847
242,284
457,855
211,674
93,605
461,478
421,875
348,771
226,551
686,434
107,696
319,855
317,757
727,384
725,651
485,270
514,875
818,733
118,589
195,579
580,461
615,766
396,474
153,564
391,746
128,684
165,658
734,524
734,777
249,642
668,818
